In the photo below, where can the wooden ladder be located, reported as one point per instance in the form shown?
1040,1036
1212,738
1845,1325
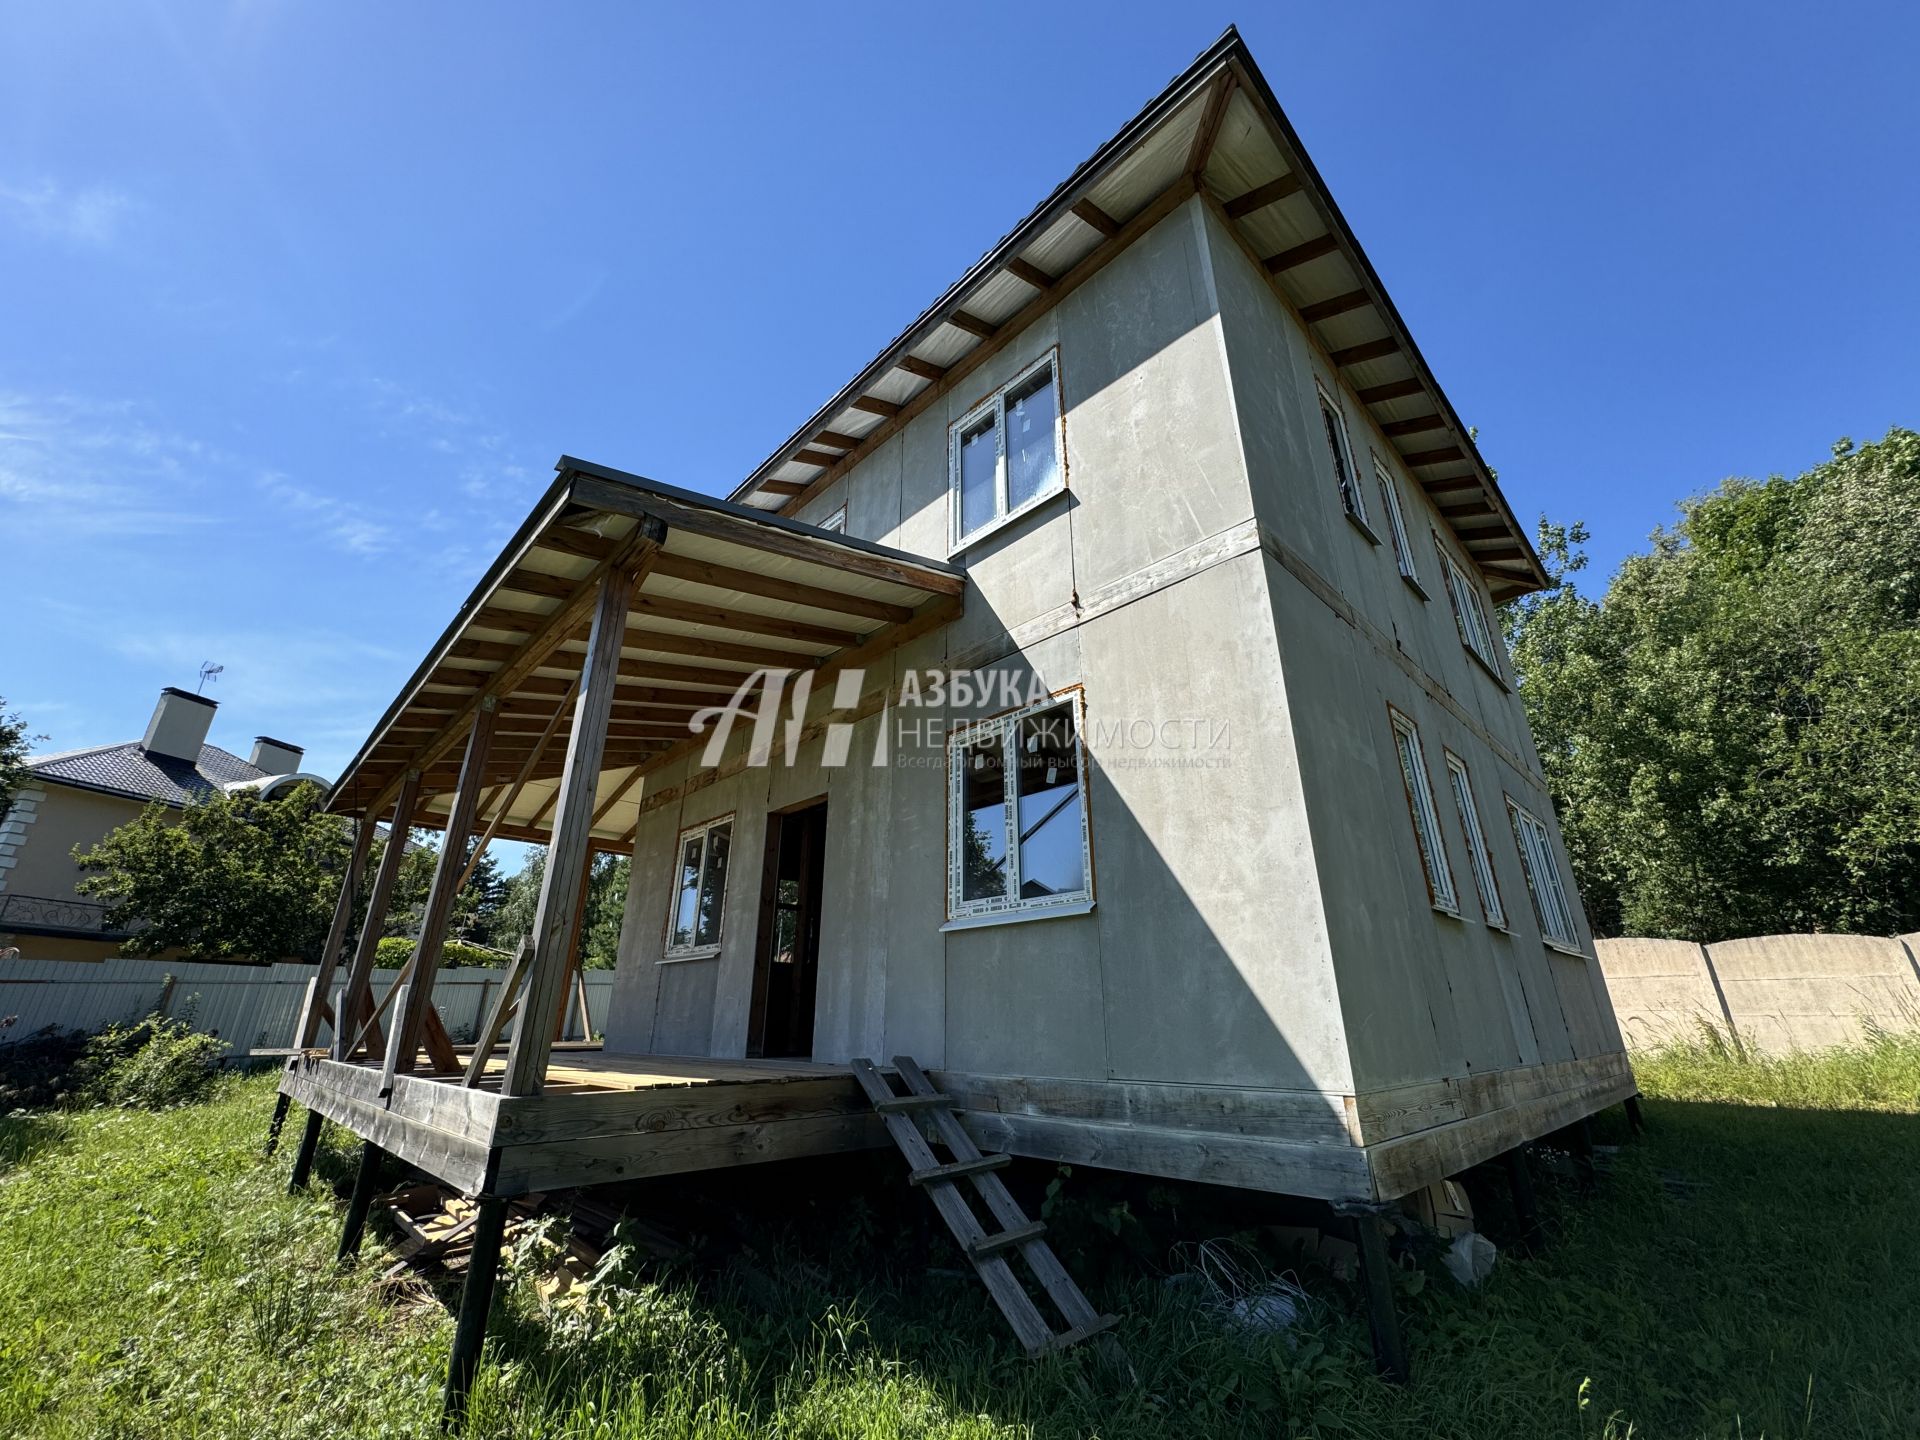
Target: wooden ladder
989,1253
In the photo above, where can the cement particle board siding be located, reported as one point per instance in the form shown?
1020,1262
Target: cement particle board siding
1214,946
850,999
683,1021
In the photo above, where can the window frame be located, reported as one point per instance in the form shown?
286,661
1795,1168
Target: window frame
1397,524
1465,598
668,950
836,520
1353,498
1479,857
1435,864
996,405
1534,842
967,914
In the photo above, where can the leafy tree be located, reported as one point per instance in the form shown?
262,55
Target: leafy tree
14,742
230,876
606,904
475,907
1732,736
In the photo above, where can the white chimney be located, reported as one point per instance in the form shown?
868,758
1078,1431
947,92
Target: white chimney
179,725
276,757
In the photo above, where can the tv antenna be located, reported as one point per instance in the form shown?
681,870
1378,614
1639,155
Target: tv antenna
208,671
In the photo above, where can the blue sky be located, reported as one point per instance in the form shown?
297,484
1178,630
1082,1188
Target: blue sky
299,302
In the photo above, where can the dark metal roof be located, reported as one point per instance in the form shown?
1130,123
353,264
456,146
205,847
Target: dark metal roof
142,774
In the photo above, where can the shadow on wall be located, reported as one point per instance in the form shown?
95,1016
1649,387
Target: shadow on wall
1779,993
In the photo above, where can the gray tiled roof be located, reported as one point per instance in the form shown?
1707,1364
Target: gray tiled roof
129,770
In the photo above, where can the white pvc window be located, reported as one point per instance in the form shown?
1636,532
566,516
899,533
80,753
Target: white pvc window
1476,632
1348,479
1550,903
1483,879
1396,524
699,890
1426,820
837,521
1008,453
1017,840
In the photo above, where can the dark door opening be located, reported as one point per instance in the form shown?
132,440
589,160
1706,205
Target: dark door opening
786,965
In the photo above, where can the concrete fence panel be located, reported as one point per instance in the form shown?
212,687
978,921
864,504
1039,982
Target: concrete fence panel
1780,992
249,1006
1812,992
1663,990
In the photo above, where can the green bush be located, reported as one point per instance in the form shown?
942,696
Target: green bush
154,1065
396,950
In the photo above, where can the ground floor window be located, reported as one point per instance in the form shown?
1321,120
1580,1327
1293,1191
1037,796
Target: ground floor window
1550,901
1017,841
1426,819
699,890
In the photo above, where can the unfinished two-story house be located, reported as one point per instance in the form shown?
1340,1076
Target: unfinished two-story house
1099,701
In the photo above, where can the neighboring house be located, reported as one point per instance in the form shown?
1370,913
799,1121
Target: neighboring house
1162,786
76,797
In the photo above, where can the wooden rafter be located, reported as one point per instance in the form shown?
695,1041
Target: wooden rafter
1099,219
973,324
1338,305
749,582
1030,273
925,369
1392,390
1262,196
1366,350
1210,121
1300,254
874,405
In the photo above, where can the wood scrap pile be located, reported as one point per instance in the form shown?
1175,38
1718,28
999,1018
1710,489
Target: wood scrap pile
577,1227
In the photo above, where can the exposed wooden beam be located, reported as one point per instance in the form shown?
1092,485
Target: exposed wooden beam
837,440
825,552
320,988
583,543
925,369
605,807
1338,305
635,551
1262,196
812,457
1099,219
1505,552
750,622
1032,274
555,927
1300,254
973,324
1458,512
500,812
731,652
1392,390
1441,456
748,582
538,582
1366,350
784,487
1209,128
358,995
1451,484
1418,425
410,1024
874,405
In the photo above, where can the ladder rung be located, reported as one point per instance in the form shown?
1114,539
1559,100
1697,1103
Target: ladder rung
993,1244
1080,1332
958,1169
911,1102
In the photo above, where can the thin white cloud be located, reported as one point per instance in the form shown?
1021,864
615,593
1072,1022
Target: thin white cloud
340,522
92,216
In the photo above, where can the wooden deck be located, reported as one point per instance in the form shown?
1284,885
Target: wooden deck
602,1117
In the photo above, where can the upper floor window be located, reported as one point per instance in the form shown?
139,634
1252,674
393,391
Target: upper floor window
1335,424
699,890
1426,819
1476,631
837,521
1483,880
1017,842
1007,454
1550,903
1396,524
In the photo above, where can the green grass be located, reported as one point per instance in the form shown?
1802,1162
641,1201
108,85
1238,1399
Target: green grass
1750,1268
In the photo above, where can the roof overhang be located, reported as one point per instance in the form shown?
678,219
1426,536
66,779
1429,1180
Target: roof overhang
1216,131
731,591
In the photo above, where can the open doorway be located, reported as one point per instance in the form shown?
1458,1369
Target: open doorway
786,962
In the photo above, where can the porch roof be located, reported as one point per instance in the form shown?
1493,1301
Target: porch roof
730,591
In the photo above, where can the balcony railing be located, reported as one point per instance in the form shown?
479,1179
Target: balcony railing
58,915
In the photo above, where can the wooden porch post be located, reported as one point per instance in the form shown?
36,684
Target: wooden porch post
358,1001
409,1027
556,926
322,985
